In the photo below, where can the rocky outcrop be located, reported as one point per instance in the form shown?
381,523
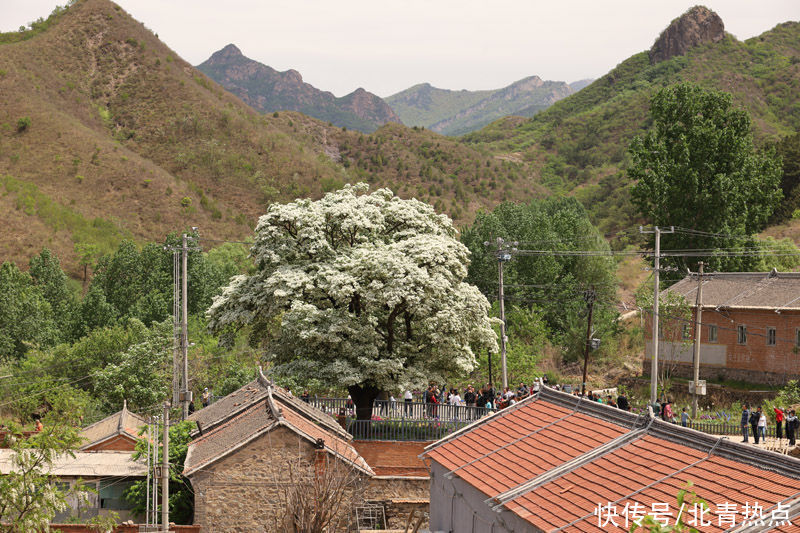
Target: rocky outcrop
266,90
697,26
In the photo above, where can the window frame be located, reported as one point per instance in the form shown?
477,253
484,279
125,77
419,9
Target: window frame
772,336
715,337
741,333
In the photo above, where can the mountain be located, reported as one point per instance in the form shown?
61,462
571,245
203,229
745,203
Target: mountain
580,84
581,141
106,134
458,112
267,90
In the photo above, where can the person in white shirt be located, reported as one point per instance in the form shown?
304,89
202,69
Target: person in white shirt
762,426
455,399
408,397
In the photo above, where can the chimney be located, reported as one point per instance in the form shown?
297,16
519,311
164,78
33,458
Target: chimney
319,458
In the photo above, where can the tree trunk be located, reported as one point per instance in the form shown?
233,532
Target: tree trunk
363,397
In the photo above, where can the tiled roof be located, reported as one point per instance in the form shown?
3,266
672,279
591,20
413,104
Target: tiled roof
229,406
552,459
227,437
234,403
256,418
773,290
333,443
120,423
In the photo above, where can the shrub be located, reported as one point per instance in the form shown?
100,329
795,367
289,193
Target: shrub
186,202
23,124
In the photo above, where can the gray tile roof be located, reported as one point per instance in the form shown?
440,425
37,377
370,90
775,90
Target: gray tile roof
255,391
120,423
257,418
749,290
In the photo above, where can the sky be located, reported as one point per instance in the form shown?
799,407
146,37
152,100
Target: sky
386,47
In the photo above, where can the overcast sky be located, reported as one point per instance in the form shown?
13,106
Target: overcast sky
386,47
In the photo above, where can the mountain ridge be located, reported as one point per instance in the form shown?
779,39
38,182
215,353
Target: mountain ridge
268,90
452,112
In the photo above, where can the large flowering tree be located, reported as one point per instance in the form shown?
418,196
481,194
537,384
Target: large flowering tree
368,290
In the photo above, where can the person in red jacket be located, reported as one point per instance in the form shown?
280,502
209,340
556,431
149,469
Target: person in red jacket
779,423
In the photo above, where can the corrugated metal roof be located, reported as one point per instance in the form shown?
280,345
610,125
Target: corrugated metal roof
86,464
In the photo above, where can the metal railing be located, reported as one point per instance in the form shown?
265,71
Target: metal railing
727,428
402,410
404,429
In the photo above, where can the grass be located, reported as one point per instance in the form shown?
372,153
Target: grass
28,199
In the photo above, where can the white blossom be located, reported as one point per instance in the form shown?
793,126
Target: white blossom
367,288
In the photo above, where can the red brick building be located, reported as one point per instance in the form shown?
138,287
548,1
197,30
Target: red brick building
750,328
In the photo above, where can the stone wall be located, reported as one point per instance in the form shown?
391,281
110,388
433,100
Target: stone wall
242,493
399,496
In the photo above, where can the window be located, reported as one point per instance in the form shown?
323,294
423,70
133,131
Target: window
797,337
741,336
771,336
712,333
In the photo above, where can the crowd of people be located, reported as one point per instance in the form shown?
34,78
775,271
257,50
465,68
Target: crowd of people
756,420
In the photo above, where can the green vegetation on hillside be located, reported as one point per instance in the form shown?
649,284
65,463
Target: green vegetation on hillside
458,112
581,139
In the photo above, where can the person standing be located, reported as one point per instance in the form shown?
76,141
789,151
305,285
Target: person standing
622,402
762,426
206,397
408,398
755,415
779,415
791,427
745,420
684,418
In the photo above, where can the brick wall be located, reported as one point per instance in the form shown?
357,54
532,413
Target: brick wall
393,458
120,443
755,360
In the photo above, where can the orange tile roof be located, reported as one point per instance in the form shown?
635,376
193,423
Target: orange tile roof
542,460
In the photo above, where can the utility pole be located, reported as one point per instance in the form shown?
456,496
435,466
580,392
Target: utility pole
656,288
503,256
184,325
165,472
155,477
589,296
698,326
181,392
149,436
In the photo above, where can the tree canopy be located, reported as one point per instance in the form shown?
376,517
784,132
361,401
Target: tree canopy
551,283
367,290
698,168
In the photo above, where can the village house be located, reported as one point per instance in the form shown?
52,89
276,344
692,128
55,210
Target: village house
245,444
103,463
558,462
108,473
750,328
118,432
